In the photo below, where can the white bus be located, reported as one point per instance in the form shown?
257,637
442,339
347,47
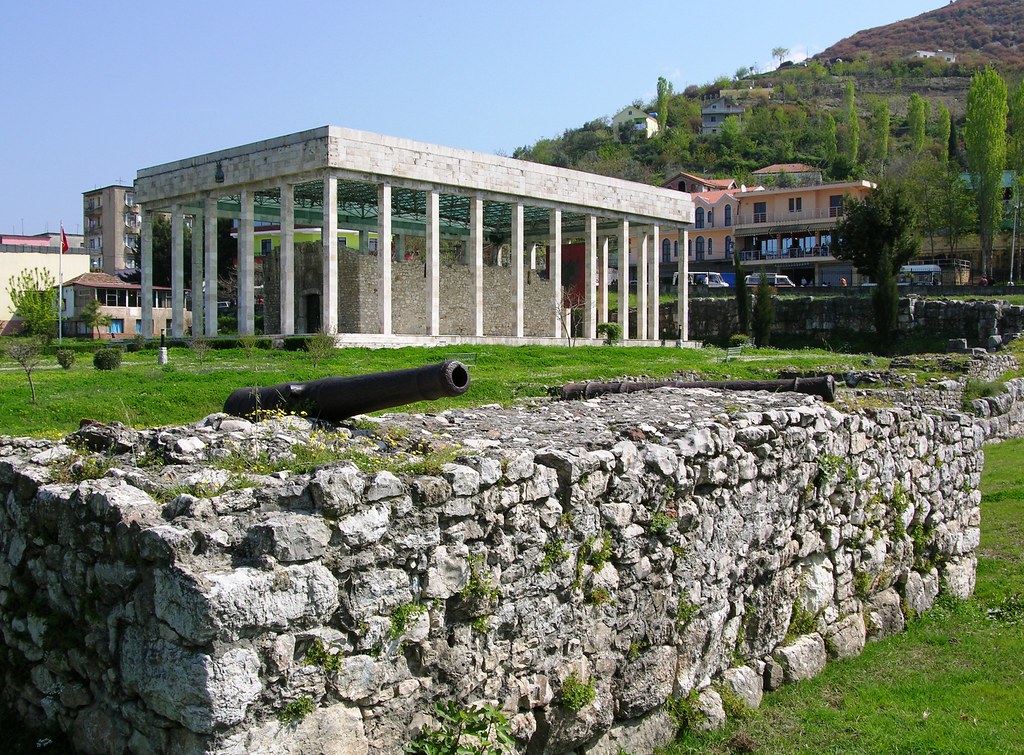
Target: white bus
920,275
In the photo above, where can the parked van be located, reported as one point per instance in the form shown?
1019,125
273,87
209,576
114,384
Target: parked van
709,280
774,279
920,275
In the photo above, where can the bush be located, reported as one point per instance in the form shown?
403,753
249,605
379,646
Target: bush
107,359
65,358
611,331
138,343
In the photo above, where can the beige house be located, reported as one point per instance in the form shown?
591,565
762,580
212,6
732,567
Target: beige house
16,258
120,301
636,118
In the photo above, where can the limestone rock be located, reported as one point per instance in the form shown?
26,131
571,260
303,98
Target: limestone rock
745,684
804,658
846,638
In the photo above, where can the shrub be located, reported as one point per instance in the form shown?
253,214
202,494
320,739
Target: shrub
577,695
319,347
65,358
138,343
473,730
611,331
763,317
107,359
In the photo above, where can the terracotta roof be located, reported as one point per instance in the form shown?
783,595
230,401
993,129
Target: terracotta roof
787,168
103,280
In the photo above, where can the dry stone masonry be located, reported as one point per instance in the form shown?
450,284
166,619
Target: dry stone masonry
659,548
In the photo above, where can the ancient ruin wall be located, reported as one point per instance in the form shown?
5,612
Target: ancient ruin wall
647,545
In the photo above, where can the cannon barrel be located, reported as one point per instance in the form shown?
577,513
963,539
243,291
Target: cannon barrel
337,398
825,386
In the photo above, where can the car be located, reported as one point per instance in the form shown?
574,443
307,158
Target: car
774,279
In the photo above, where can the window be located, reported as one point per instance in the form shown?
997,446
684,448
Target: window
372,244
729,245
266,246
666,250
760,212
728,216
711,250
796,204
117,326
698,218
835,206
711,218
675,250
138,327
129,198
700,248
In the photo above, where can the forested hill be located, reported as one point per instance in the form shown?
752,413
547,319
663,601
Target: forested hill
978,32
850,118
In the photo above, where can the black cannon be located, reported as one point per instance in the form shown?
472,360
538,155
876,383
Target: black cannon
337,398
825,387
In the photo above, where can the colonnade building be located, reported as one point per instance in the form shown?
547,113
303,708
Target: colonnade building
453,246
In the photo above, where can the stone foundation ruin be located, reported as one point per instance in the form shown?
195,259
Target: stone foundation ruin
653,546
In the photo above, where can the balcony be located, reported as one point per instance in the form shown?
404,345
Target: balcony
758,255
823,215
93,207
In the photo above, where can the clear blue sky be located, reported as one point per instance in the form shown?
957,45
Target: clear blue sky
93,91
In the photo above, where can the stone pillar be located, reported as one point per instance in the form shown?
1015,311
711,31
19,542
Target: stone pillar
590,277
433,244
210,263
146,264
518,223
177,272
384,257
642,285
624,278
286,261
654,276
364,241
533,256
329,238
476,245
683,301
246,263
562,328
602,292
399,246
198,303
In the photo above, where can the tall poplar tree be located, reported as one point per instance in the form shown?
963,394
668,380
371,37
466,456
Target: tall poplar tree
916,115
985,143
880,129
851,140
664,92
944,127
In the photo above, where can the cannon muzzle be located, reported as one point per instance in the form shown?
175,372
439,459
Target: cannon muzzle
337,398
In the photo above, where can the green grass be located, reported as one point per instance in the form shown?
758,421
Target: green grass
143,394
952,683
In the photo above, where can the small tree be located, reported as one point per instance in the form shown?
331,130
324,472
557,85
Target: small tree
34,297
742,297
93,317
780,53
319,346
28,353
764,312
886,303
885,221
201,347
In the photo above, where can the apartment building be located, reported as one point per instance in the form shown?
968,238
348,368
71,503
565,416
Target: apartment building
111,227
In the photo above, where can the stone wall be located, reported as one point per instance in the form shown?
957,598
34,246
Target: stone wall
647,545
357,294
715,318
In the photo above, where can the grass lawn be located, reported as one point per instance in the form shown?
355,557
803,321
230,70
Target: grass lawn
952,683
143,394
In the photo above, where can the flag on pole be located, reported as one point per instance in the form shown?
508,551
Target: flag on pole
63,240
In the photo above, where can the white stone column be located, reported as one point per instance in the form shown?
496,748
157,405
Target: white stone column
329,238
246,266
146,264
476,244
602,293
433,244
177,272
590,278
286,262
683,310
384,257
654,277
533,256
518,253
364,241
562,327
642,285
198,304
210,263
624,278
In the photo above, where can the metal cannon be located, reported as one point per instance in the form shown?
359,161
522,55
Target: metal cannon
825,387
337,398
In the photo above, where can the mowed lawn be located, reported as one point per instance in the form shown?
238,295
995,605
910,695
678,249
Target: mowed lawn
143,394
952,683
